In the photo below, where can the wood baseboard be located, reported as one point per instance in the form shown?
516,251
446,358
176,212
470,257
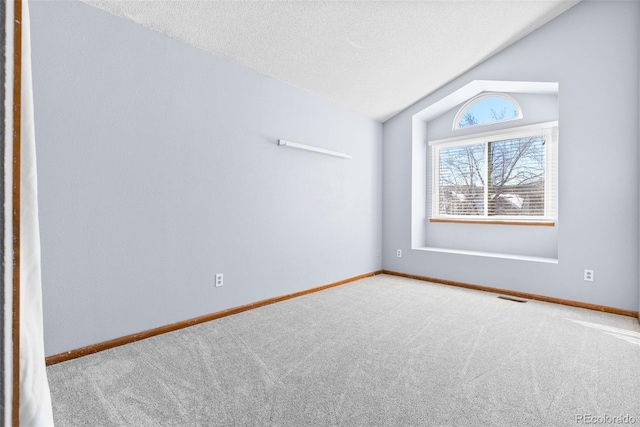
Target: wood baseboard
95,348
526,295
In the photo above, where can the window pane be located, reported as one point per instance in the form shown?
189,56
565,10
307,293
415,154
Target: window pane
488,110
517,176
461,181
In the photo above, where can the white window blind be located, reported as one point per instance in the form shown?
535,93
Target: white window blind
507,175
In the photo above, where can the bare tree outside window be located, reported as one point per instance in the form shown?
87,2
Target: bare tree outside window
486,110
517,177
468,120
462,180
499,178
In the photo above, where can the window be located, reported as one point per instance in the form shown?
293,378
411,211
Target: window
508,176
487,108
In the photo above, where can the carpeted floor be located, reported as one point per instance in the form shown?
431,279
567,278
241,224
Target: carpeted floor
382,351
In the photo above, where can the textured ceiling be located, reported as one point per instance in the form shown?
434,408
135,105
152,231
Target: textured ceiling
373,57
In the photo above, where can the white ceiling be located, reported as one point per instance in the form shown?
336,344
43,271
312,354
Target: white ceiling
373,57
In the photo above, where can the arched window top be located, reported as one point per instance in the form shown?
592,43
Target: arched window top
487,108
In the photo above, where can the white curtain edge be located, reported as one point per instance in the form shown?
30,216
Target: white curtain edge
35,398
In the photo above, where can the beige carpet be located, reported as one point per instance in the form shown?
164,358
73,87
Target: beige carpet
383,351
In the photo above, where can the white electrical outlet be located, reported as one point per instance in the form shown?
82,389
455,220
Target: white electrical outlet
219,279
399,253
588,275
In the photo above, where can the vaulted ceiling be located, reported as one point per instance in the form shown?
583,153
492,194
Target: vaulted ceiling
373,57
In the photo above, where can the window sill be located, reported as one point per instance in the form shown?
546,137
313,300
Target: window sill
538,223
528,258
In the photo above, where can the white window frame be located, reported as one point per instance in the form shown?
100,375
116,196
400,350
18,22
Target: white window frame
478,98
550,132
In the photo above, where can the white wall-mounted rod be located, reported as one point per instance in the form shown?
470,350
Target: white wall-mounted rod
312,148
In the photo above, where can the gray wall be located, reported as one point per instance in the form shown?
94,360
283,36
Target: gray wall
592,51
159,167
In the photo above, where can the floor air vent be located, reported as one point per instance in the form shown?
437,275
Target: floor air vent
512,298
